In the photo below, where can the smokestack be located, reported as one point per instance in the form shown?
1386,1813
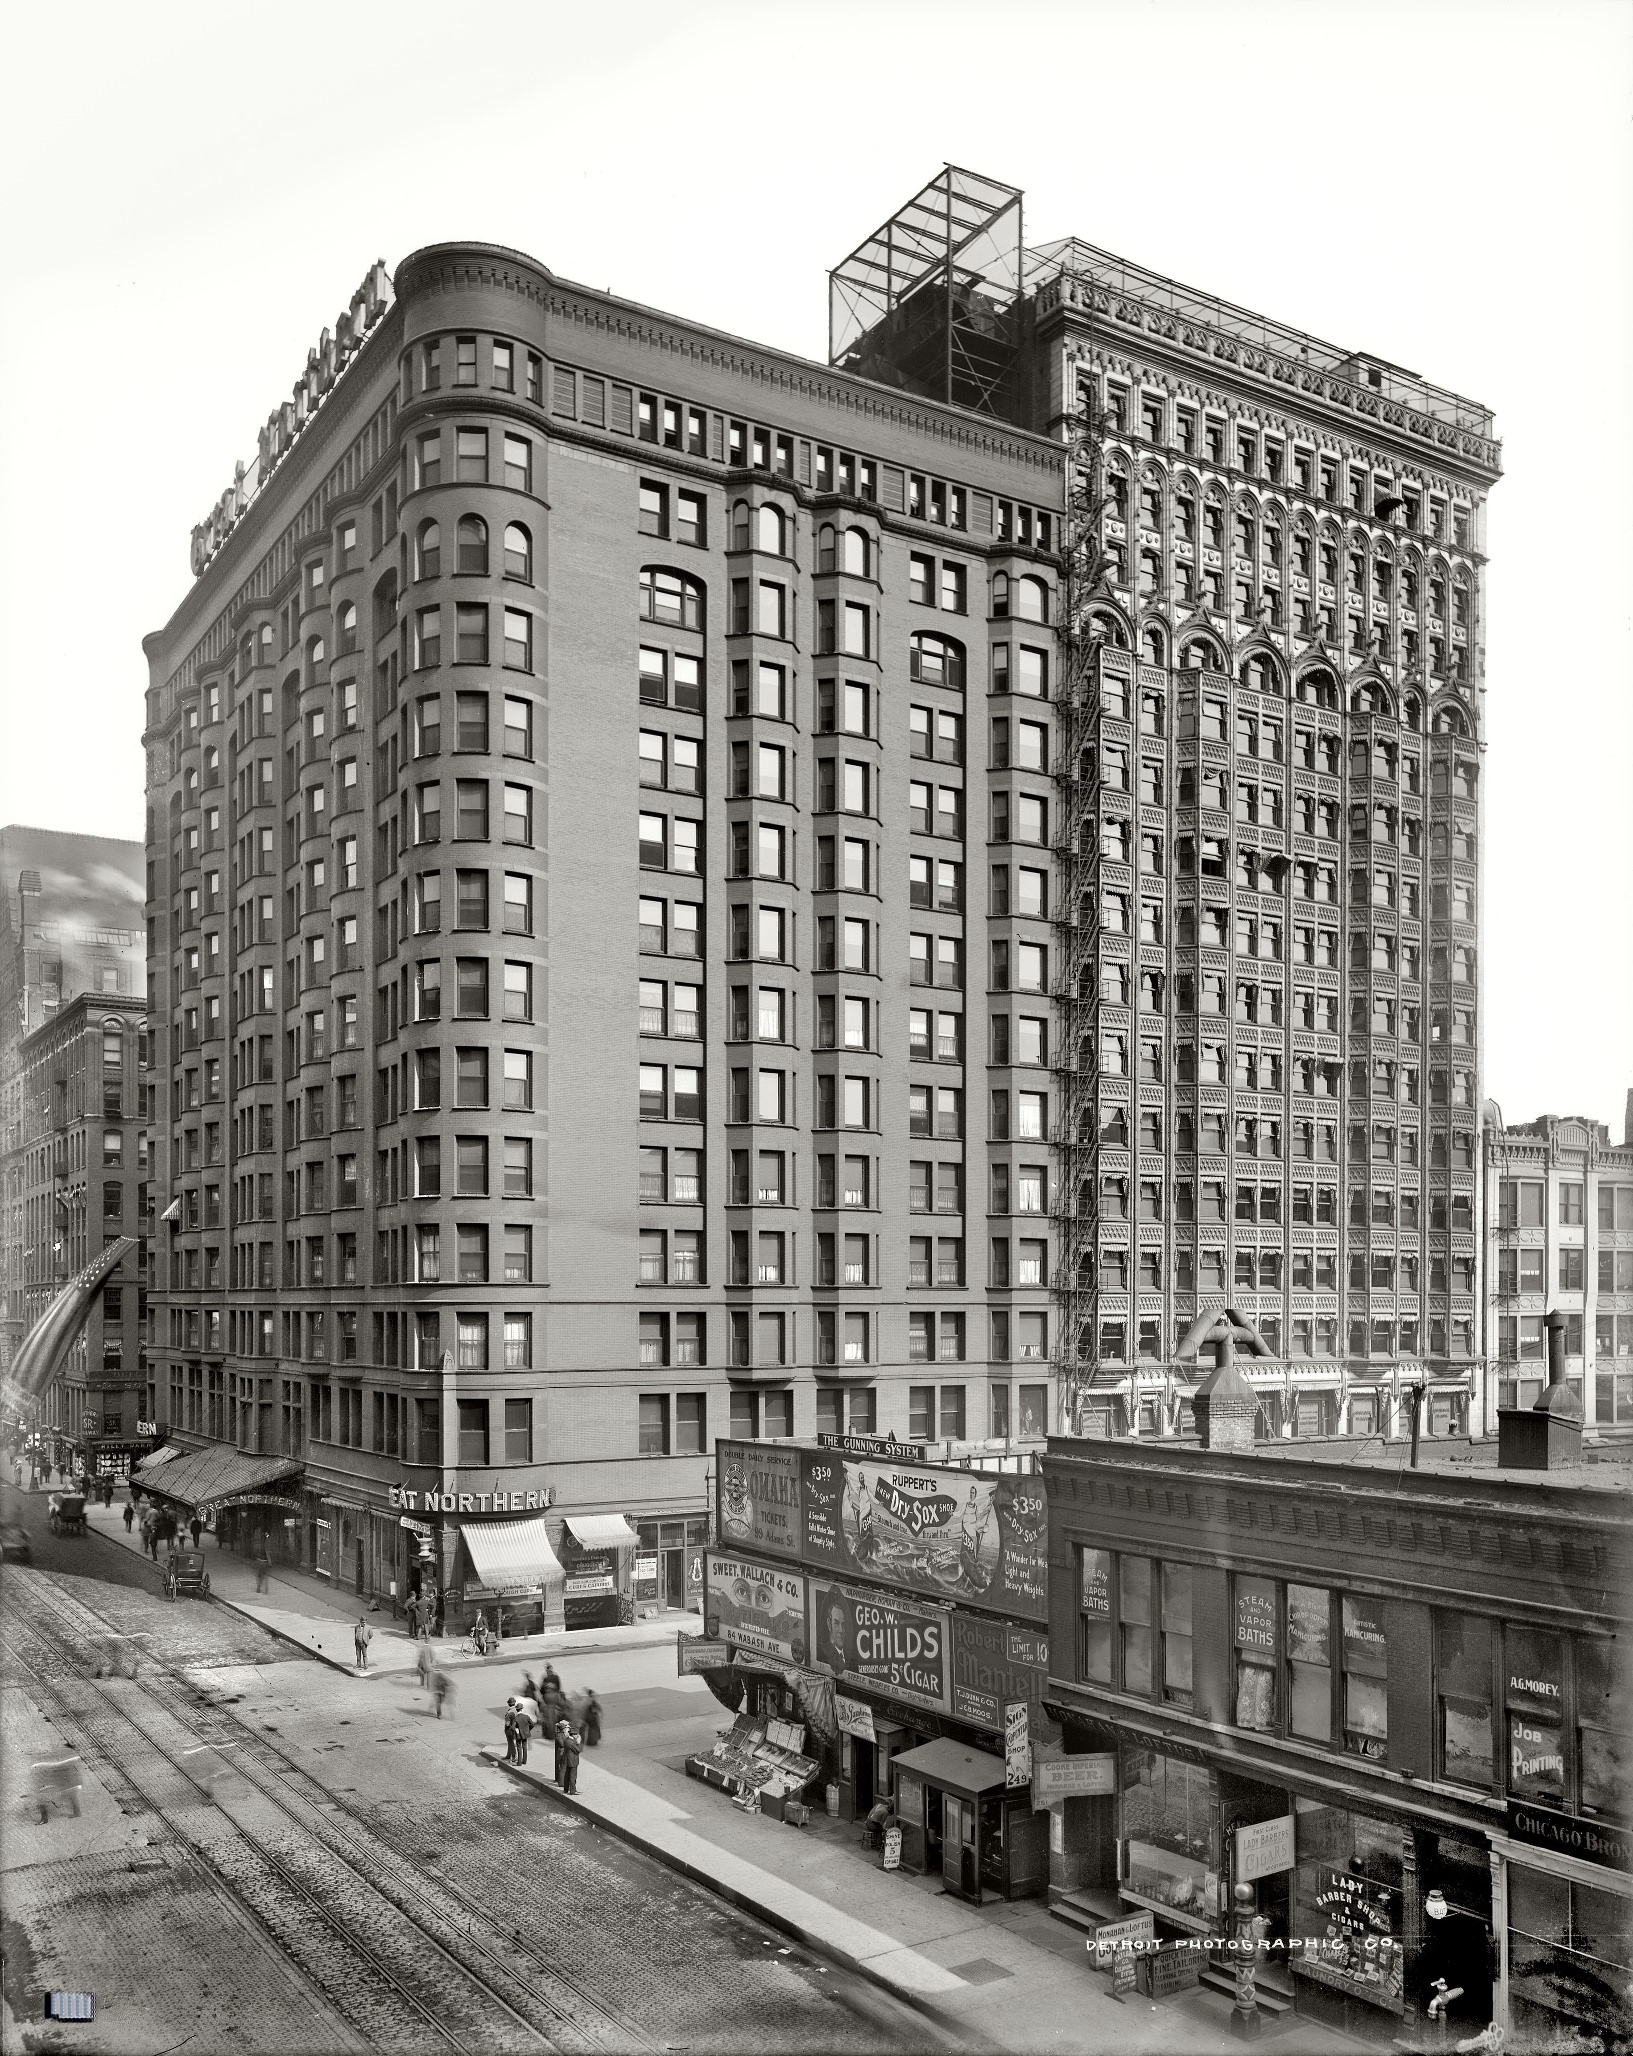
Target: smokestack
1546,1436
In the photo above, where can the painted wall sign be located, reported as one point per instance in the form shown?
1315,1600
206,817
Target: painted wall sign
325,361
1073,1777
1255,1615
874,1445
760,1497
430,1499
1264,1848
880,1642
951,1534
588,1585
994,1663
695,1653
855,1717
1592,1841
1017,1746
755,1606
1094,1595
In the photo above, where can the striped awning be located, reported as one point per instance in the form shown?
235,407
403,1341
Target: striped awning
511,1558
601,1531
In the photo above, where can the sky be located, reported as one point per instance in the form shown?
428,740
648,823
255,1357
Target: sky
189,194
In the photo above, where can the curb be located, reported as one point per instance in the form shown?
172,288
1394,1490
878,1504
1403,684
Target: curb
736,1897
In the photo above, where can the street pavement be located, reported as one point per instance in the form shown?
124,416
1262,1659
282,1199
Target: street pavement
1004,1976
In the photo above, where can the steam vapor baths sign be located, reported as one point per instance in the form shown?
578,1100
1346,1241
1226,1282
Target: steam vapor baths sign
886,1644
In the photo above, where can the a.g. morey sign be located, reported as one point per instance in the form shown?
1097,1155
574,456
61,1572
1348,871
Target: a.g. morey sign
325,361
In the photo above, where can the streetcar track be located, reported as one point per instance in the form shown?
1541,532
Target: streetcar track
379,1989
387,1872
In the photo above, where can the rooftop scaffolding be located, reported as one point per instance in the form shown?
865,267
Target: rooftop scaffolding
927,301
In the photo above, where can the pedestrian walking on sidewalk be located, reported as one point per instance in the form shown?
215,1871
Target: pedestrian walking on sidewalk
425,1665
263,1568
412,1609
571,1748
510,1732
524,1727
592,1721
195,1528
561,1750
428,1611
107,1491
441,1687
362,1635
130,1515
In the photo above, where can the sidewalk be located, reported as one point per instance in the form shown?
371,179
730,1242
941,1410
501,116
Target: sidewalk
1004,1976
303,1609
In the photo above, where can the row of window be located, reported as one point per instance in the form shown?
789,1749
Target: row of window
1522,1203
1523,1270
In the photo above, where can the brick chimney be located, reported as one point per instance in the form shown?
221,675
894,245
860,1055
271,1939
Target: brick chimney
1546,1436
1225,1404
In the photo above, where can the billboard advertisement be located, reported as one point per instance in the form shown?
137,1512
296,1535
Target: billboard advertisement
888,1645
976,1536
759,1503
994,1665
755,1606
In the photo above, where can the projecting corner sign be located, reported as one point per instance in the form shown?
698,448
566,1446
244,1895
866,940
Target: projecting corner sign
325,361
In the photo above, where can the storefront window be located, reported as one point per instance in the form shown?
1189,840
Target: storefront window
1567,1961
1257,1635
1347,1895
1602,1691
1094,1608
1134,1621
1366,1678
1535,1694
1463,1697
1176,1633
1309,1662
1168,1826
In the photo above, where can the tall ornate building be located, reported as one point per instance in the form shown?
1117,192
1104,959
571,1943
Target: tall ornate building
1268,818
703,892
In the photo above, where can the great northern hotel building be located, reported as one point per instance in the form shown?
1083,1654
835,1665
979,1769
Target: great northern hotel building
658,930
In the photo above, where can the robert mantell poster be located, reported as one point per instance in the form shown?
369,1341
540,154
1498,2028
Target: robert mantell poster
755,1607
889,1645
978,1536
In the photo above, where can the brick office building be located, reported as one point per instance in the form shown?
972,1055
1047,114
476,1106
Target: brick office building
1559,1235
569,794
70,922
83,1183
1355,1684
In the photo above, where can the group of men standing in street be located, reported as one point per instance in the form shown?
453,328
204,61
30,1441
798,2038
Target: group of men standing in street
520,1717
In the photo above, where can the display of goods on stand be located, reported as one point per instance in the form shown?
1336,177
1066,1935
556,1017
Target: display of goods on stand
761,1764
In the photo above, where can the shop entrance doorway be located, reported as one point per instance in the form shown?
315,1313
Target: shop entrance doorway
958,1873
674,1578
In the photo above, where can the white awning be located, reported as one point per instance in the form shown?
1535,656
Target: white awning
601,1531
511,1558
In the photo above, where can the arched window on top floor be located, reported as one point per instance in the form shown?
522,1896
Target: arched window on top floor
1450,720
1031,599
741,519
672,597
385,607
428,551
1154,645
518,553
1411,711
1370,698
1317,688
1000,595
770,531
1201,654
827,547
858,553
936,660
346,629
316,654
1260,673
471,544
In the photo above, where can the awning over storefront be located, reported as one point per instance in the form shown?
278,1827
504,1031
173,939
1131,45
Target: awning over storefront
601,1531
952,1767
511,1558
207,1479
